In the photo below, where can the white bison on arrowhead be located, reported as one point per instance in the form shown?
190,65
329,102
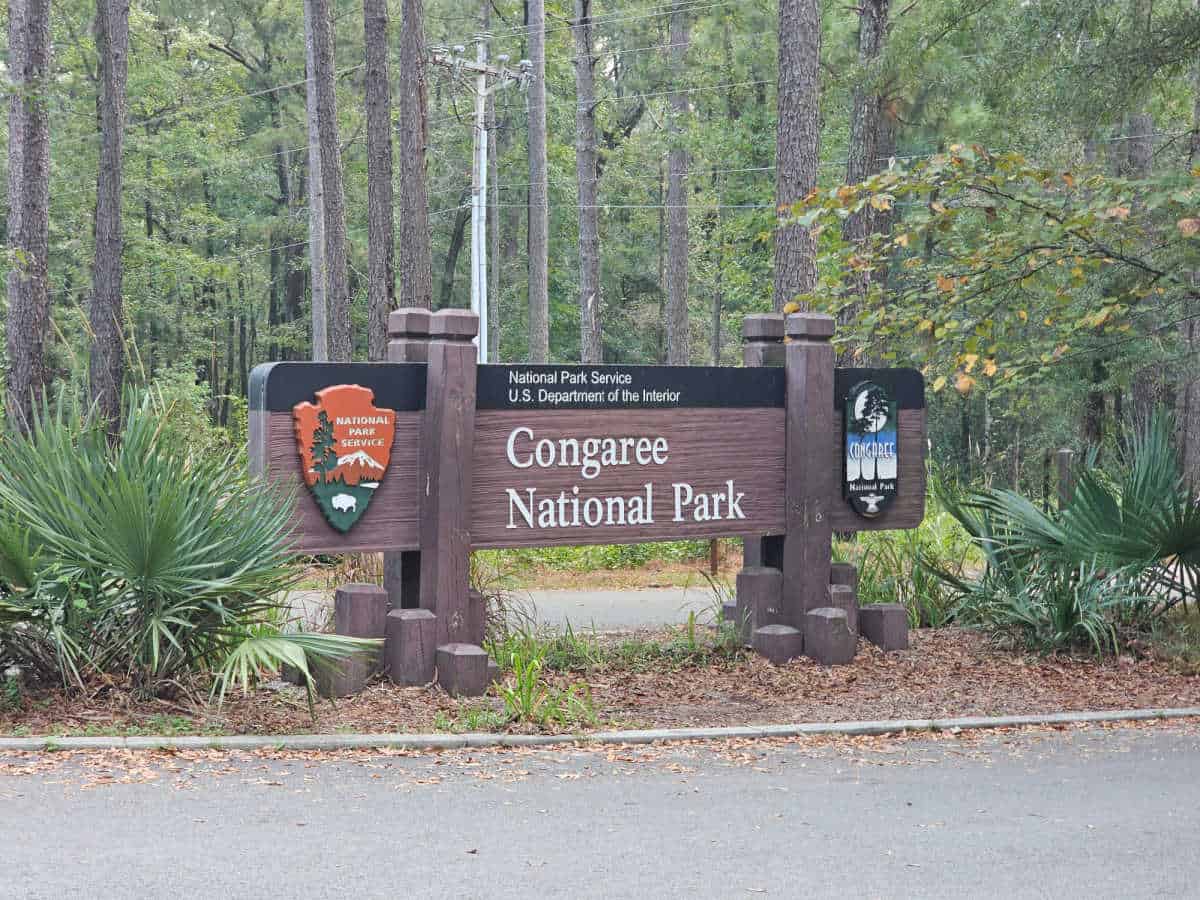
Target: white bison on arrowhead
343,502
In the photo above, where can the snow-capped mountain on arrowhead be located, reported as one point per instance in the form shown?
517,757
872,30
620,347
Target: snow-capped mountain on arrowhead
360,457
358,466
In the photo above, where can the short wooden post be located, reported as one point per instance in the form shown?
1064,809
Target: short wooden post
811,480
759,590
763,336
408,341
411,645
360,610
1046,481
844,573
447,447
1066,478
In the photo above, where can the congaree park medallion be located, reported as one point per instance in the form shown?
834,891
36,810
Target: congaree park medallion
871,461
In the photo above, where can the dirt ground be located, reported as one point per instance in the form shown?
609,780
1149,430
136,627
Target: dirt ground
945,672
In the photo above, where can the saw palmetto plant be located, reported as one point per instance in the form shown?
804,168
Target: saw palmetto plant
139,560
1126,548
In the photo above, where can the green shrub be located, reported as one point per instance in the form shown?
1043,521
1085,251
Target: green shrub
897,566
599,556
142,560
1123,553
1051,607
528,698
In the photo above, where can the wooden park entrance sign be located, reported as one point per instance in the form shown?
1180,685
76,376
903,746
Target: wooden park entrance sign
432,455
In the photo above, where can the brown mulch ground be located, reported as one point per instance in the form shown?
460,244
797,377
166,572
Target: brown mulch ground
948,672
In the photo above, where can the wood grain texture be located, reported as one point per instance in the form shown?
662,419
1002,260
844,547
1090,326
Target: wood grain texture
391,520
812,482
707,447
908,509
710,445
445,485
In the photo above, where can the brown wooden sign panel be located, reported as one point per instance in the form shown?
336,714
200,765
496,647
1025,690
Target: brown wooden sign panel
284,398
578,476
389,523
656,463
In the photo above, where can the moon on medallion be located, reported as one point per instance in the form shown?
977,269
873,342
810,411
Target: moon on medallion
875,422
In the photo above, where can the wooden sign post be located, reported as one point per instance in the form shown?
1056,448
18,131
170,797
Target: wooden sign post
498,456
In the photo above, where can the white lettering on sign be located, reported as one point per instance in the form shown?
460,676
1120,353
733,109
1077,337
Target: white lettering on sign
872,450
590,456
706,507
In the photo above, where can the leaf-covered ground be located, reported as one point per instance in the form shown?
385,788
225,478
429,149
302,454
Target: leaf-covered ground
946,672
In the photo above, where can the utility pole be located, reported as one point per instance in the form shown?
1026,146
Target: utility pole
487,79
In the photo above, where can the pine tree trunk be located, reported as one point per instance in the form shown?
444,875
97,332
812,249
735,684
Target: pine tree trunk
539,209
106,318
316,206
718,289
337,285
1149,383
590,339
16,126
457,236
1187,393
415,254
29,205
677,201
416,258
797,143
381,277
862,152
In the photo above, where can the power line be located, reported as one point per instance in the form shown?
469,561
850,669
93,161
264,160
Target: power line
204,107
688,6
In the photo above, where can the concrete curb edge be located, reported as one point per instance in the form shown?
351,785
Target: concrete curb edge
648,736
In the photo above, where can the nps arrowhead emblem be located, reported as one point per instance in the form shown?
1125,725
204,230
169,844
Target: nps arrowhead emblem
345,443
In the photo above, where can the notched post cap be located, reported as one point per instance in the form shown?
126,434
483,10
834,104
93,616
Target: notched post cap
454,324
810,326
361,590
412,321
763,327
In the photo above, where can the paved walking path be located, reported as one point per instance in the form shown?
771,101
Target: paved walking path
605,610
1078,813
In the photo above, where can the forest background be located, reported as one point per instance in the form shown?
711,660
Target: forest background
1024,226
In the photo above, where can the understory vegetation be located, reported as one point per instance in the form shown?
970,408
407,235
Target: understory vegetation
894,566
146,562
530,657
1113,564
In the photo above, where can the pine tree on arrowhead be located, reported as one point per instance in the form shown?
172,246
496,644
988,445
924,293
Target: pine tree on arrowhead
323,455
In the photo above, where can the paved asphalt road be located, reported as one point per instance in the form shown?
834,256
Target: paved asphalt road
604,610
1083,813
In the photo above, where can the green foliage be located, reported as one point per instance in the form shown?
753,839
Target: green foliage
1050,607
11,689
471,718
1035,265
602,556
142,561
528,698
898,566
704,639
1123,552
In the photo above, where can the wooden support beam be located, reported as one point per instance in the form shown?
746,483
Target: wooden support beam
811,481
447,449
